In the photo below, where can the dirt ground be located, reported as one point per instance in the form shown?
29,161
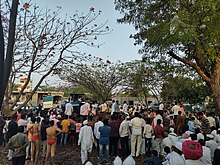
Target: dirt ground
66,155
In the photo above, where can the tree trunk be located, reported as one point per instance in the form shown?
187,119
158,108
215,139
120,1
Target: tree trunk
216,94
2,54
6,62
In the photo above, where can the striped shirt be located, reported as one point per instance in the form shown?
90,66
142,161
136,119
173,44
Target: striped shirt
205,127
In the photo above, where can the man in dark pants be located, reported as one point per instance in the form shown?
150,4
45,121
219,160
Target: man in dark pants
98,124
114,134
12,130
18,144
124,132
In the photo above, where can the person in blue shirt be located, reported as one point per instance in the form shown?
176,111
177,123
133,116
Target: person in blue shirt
104,142
191,124
154,159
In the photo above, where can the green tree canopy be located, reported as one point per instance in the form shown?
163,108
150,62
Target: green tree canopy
186,30
186,89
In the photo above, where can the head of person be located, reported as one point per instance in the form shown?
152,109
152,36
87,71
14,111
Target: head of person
43,122
125,102
136,114
177,148
85,122
157,112
193,118
171,129
14,117
51,122
66,117
154,153
33,119
147,120
167,149
113,101
179,112
79,120
23,116
128,118
197,130
212,128
202,142
19,110
21,129
38,120
105,121
200,115
90,118
185,128
158,121
100,118
193,137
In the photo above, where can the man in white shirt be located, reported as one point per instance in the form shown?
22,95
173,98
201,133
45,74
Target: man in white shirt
211,120
85,109
148,131
113,107
68,109
125,107
124,133
175,158
86,141
206,153
98,124
104,107
212,145
175,109
161,106
137,127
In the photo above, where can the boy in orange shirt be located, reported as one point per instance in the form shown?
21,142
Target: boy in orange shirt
65,130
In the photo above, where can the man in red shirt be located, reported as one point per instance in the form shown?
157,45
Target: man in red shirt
159,135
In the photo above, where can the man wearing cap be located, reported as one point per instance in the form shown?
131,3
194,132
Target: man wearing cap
86,140
175,158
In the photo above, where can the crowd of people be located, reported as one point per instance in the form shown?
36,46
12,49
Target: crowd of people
119,134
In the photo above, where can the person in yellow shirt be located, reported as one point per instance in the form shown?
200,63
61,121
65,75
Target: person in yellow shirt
65,130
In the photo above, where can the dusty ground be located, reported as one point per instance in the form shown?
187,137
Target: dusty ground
67,155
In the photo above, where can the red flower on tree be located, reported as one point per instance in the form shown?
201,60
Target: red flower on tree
26,5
